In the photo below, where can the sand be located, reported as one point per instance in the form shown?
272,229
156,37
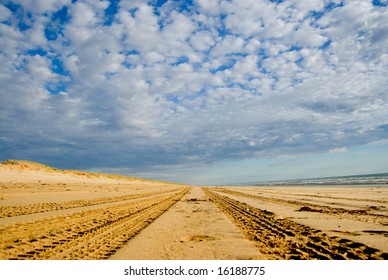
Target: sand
51,214
192,229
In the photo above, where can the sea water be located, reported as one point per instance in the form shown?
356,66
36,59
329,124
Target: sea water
368,179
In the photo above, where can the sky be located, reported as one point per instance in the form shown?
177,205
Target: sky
199,92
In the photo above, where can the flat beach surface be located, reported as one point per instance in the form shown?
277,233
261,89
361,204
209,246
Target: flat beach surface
51,214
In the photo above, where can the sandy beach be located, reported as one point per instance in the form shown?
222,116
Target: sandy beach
54,214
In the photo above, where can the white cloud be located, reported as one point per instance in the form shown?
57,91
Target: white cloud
5,14
246,27
228,45
209,7
202,41
338,150
305,6
12,39
72,64
170,86
357,30
153,57
82,14
42,6
39,68
307,36
142,29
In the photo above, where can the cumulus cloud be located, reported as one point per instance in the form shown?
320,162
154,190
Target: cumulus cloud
41,6
5,13
174,84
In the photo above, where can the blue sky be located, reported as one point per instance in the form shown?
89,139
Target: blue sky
202,92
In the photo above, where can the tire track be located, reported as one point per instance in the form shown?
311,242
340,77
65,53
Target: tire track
92,234
19,210
358,214
285,239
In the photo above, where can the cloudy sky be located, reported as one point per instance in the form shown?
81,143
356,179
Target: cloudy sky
202,91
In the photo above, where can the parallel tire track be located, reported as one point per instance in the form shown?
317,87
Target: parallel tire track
19,210
285,239
359,215
92,234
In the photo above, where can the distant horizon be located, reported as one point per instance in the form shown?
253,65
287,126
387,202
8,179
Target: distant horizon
234,183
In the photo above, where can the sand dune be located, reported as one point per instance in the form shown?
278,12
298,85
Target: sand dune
47,213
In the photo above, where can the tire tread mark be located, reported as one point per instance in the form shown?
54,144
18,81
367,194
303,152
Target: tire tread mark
280,238
359,215
20,210
92,234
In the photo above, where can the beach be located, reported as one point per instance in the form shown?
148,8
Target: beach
54,214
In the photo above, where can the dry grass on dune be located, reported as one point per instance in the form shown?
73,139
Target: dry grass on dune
22,165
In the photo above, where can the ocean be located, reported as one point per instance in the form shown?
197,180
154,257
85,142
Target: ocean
367,179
